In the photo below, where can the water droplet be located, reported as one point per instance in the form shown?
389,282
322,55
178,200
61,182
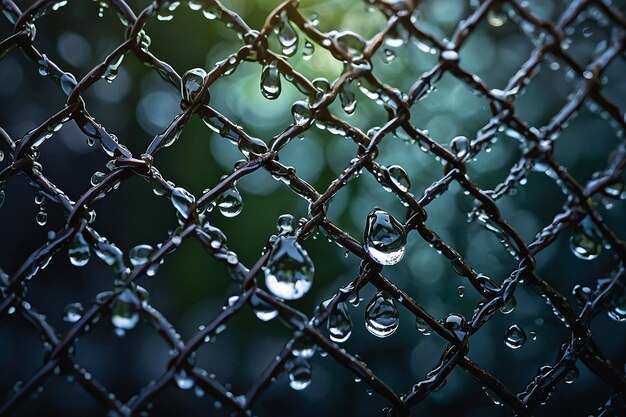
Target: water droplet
68,82
422,327
182,199
618,309
571,376
585,245
41,218
191,84
2,197
533,335
270,81
125,310
78,250
385,237
263,310
300,375
457,325
515,337
287,36
460,290
347,98
73,312
381,315
285,224
140,254
399,177
289,271
183,380
302,347
40,197
301,112
351,43
230,202
496,18
460,145
492,396
307,51
340,324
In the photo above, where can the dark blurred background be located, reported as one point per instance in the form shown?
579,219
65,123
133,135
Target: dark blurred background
190,288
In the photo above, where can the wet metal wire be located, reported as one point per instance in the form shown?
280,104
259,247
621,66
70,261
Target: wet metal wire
537,144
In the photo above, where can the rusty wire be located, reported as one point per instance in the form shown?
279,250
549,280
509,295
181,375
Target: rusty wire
263,155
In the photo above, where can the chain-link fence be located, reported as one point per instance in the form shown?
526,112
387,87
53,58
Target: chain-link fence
285,270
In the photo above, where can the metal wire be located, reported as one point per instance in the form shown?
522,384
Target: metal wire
537,144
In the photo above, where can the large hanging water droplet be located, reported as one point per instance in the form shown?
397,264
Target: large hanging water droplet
515,336
399,177
191,84
381,315
287,36
585,245
270,81
182,199
78,250
289,271
509,306
73,312
140,254
301,112
125,310
230,202
300,374
385,237
340,324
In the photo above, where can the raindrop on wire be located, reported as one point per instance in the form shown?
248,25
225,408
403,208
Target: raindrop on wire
182,199
289,271
191,84
230,202
125,310
381,315
300,375
340,323
78,250
301,112
399,177
287,36
140,254
515,336
460,145
270,81
385,237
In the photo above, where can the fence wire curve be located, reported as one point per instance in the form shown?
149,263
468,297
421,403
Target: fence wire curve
538,146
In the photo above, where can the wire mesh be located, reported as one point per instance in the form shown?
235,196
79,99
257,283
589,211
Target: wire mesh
127,301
